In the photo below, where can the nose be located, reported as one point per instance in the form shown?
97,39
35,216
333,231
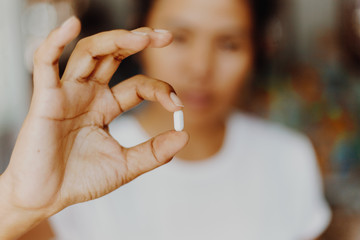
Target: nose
200,62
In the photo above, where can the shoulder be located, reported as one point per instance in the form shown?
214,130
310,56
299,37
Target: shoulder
267,134
287,157
275,149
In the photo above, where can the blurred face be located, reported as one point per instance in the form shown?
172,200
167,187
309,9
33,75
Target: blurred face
210,57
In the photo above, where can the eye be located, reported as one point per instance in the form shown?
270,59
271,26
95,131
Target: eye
229,45
180,38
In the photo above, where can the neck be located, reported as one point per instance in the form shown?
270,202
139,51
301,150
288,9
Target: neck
206,139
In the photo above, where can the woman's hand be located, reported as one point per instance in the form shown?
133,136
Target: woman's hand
64,153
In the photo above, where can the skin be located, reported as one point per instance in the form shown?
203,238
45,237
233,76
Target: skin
64,153
208,64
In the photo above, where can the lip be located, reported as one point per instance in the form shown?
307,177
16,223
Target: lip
197,100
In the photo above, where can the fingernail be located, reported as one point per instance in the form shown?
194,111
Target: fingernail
176,100
161,31
67,23
140,33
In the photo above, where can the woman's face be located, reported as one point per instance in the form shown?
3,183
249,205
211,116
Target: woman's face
211,55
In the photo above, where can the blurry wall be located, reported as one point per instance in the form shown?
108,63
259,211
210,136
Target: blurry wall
310,20
14,84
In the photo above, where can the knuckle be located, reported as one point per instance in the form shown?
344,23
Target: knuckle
82,43
164,86
153,88
153,151
138,79
140,76
86,45
119,57
146,29
122,31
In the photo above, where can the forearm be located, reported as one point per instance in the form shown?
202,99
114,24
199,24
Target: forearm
14,224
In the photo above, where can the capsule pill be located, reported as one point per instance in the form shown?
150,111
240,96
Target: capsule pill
178,120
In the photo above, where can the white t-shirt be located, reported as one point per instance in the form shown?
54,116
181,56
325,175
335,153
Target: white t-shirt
263,184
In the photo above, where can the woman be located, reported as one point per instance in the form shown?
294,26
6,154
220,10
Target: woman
239,177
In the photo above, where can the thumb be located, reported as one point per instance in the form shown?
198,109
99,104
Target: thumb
154,153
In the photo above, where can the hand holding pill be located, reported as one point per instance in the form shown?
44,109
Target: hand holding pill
64,152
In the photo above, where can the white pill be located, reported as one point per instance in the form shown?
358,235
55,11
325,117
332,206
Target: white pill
179,120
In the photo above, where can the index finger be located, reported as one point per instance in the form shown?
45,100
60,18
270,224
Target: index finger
118,44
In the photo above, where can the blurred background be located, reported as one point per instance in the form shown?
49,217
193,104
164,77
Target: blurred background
312,83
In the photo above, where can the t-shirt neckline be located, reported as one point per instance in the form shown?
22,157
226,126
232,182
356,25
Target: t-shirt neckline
217,163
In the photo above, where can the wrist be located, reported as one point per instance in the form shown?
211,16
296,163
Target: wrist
15,220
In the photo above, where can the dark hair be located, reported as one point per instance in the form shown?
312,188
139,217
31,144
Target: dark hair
348,34
263,11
